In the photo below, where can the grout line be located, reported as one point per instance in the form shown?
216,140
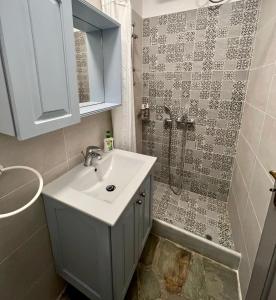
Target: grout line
55,168
41,277
17,188
32,181
23,243
261,67
259,110
257,158
266,104
242,231
248,193
66,150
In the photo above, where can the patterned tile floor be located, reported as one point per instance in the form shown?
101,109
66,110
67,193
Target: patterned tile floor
167,271
198,214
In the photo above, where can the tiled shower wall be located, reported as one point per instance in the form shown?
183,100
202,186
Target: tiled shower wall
82,66
197,62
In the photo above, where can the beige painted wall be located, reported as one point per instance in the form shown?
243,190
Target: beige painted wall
249,195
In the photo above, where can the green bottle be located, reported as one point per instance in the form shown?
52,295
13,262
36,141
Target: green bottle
108,142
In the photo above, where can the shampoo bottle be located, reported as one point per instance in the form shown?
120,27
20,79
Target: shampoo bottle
108,142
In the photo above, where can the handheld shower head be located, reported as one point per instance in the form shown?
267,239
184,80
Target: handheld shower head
168,111
168,121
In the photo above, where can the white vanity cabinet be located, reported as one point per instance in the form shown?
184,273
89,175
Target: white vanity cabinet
37,67
93,256
128,238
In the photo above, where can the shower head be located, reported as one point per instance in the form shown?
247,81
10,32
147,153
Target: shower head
219,1
212,4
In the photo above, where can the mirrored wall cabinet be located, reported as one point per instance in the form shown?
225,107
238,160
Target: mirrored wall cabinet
98,58
59,60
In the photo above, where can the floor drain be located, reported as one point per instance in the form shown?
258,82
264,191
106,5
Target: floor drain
209,237
111,188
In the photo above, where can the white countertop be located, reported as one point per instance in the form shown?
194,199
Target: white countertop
65,190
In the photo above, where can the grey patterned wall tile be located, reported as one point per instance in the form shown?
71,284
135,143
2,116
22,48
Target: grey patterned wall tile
230,65
197,62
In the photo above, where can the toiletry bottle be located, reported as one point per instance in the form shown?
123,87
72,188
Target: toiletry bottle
147,111
143,109
108,142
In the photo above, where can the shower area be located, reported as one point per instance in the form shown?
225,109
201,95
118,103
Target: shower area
195,67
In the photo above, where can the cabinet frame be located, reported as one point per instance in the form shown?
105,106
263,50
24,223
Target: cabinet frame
110,29
114,260
37,53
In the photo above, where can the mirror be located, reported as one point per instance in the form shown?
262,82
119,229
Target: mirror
99,58
89,62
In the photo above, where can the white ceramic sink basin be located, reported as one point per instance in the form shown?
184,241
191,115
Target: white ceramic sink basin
117,169
85,188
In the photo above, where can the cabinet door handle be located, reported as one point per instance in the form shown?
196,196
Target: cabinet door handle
273,190
143,194
139,202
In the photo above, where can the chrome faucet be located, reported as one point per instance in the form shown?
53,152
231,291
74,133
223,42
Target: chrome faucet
91,153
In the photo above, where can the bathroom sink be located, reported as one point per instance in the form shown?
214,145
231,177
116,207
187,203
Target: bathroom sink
104,189
115,170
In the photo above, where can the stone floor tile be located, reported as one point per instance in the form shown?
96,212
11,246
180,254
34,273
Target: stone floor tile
172,266
149,250
148,284
221,282
170,272
195,287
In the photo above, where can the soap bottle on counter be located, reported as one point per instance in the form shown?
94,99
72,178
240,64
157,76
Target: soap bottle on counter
108,142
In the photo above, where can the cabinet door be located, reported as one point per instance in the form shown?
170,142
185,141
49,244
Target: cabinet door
124,251
144,213
39,64
81,248
6,122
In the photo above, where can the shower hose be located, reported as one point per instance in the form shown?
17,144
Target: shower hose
178,184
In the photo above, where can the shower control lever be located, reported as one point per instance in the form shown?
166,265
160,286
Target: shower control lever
184,121
181,120
168,123
273,190
190,122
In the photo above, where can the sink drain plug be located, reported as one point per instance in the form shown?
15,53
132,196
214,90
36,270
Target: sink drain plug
111,188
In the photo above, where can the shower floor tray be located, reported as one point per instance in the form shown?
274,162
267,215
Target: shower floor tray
204,216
